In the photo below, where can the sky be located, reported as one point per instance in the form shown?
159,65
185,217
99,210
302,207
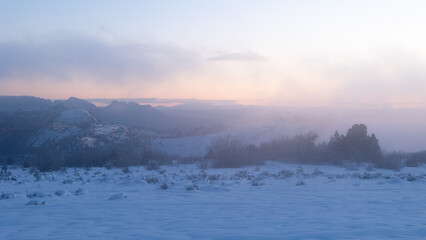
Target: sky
364,54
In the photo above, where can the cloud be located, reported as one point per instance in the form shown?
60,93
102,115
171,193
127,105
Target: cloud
391,76
69,56
239,56
183,103
380,77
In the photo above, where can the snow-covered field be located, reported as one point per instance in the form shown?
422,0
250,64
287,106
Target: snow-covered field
276,201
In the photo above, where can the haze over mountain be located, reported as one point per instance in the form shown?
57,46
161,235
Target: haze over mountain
397,129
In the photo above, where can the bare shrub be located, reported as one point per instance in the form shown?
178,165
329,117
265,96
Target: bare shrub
192,187
393,161
126,170
300,183
285,173
350,166
257,182
369,167
152,165
318,172
203,164
214,177
230,152
151,180
416,159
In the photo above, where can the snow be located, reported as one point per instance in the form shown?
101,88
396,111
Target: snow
89,141
54,134
110,131
118,196
93,135
75,117
265,202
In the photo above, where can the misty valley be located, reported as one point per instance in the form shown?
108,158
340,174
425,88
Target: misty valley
163,171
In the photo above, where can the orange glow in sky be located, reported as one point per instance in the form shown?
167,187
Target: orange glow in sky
284,53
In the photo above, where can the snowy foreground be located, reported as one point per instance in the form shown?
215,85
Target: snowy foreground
276,201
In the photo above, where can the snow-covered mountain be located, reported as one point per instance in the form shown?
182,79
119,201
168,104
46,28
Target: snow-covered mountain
134,115
9,104
65,123
53,124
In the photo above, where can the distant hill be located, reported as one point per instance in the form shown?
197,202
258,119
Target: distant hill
134,115
73,102
28,123
27,126
11,104
129,114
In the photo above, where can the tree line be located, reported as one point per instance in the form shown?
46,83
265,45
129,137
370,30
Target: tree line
356,146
